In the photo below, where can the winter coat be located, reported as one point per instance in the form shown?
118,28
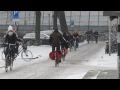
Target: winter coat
55,39
96,34
11,39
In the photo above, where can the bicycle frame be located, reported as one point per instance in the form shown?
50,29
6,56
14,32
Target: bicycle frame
20,50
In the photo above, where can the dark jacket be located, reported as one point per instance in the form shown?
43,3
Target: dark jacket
11,39
55,39
96,34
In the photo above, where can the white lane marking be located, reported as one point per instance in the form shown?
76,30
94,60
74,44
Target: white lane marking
95,76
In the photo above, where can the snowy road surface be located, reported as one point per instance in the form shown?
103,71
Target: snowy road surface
77,64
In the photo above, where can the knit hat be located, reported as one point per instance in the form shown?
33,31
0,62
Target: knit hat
10,28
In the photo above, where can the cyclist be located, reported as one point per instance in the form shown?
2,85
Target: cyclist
71,41
55,41
96,34
11,37
76,38
88,37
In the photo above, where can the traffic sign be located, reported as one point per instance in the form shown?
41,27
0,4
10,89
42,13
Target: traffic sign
72,23
15,15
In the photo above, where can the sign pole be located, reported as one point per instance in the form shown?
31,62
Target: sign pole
15,18
119,49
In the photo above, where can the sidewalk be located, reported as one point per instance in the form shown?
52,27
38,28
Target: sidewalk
105,66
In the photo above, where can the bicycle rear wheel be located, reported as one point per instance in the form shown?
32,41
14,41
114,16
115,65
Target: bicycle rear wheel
27,55
11,64
75,46
7,63
56,63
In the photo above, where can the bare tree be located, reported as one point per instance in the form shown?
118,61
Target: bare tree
61,16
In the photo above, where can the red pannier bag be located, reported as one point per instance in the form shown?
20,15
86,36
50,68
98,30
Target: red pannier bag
52,55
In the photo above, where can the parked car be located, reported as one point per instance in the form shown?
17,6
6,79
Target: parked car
30,38
44,37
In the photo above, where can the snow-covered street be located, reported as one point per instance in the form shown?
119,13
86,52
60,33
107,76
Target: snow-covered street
78,63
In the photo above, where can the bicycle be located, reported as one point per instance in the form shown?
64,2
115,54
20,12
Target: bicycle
57,57
10,57
75,44
25,54
96,39
88,39
71,45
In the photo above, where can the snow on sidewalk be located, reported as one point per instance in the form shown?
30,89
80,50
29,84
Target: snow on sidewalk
103,61
38,51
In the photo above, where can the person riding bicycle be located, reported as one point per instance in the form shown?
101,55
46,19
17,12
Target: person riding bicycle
76,37
71,40
11,37
55,41
88,36
96,34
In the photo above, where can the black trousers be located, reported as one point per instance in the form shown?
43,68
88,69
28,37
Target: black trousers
57,48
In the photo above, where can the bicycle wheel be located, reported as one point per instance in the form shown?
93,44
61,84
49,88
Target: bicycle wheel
63,55
7,63
27,55
11,64
3,56
70,47
75,46
57,63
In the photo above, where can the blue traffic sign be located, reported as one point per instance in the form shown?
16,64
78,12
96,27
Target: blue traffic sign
15,15
72,22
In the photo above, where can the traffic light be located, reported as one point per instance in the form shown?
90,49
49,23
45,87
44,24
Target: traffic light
113,17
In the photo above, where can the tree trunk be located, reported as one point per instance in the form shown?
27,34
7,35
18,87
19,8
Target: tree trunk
55,20
61,16
37,27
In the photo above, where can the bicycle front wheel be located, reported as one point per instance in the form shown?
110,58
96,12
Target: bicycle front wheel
3,56
27,55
